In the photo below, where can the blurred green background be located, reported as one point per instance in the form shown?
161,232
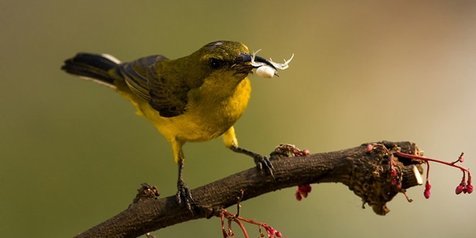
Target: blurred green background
73,153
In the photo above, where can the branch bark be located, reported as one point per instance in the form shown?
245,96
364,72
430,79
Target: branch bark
365,169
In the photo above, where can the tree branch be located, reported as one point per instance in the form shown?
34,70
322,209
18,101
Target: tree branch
366,170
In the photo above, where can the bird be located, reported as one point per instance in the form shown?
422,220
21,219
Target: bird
197,97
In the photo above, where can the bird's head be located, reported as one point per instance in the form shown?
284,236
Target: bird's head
222,64
229,58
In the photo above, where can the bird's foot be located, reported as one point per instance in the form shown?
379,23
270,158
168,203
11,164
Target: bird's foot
264,164
184,196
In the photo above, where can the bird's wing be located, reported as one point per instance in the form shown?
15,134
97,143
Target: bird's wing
164,93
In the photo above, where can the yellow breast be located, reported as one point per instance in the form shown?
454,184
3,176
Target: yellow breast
208,114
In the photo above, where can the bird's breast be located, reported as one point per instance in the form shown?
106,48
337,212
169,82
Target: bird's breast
209,113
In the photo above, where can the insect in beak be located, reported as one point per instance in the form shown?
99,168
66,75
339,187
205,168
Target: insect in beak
264,68
268,69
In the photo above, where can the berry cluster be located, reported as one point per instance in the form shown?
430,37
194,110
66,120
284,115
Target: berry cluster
289,150
396,178
395,173
227,231
270,232
302,191
465,186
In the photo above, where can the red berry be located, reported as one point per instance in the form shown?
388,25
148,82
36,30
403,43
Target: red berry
369,148
298,196
459,189
427,192
279,234
469,188
302,191
305,188
393,172
427,185
271,231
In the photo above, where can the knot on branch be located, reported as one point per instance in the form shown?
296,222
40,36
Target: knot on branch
145,192
379,175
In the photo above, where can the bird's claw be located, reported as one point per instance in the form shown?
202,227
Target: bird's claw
184,196
264,164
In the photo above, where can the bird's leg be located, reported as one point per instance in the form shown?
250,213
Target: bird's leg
262,162
184,196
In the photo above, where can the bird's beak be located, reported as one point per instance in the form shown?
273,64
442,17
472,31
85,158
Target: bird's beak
245,63
250,59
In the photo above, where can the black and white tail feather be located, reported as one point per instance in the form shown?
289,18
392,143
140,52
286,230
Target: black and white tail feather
95,67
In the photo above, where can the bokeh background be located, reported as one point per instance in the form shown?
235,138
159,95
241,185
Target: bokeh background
72,153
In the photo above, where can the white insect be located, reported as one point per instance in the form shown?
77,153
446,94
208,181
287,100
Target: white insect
266,71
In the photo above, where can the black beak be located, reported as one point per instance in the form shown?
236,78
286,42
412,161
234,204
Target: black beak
247,58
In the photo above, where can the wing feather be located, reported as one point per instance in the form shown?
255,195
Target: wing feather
167,95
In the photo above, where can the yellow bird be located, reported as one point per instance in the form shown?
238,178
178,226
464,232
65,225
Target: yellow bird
194,98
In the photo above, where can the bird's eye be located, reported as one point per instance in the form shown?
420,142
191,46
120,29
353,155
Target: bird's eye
216,63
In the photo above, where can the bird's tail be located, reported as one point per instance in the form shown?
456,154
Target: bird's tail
92,66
